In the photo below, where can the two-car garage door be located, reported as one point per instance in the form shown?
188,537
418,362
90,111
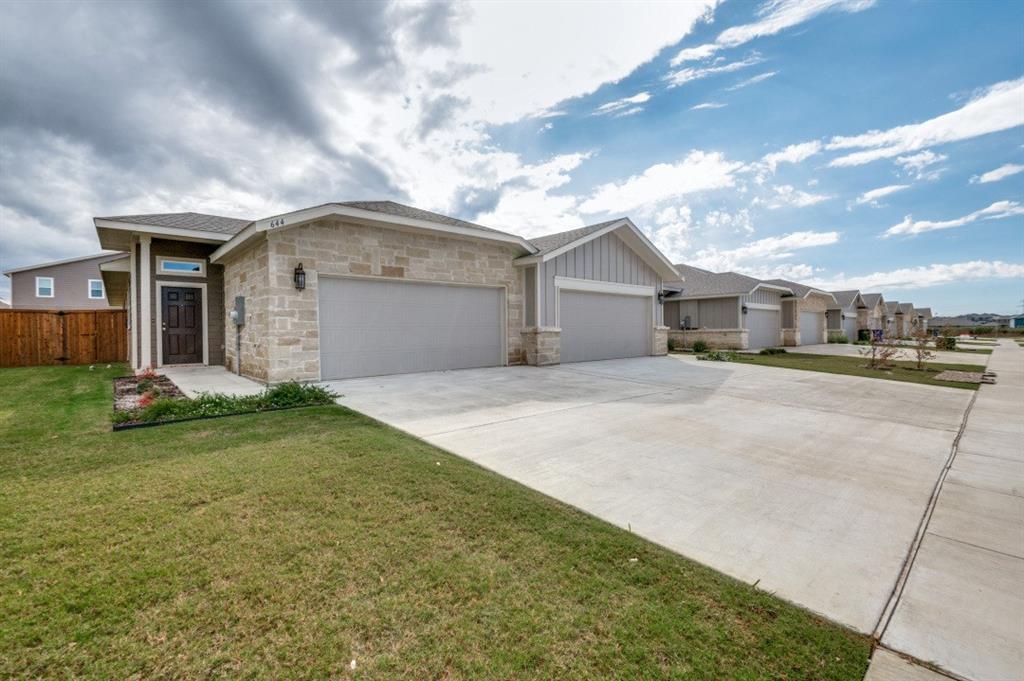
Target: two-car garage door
377,327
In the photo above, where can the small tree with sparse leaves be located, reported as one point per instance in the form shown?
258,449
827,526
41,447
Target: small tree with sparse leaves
922,353
881,352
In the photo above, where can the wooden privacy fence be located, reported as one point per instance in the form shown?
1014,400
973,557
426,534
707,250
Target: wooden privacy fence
36,337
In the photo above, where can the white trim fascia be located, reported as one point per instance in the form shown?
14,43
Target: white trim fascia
709,296
163,283
153,230
52,287
133,307
762,306
117,264
772,287
88,290
145,302
161,259
299,217
66,261
596,286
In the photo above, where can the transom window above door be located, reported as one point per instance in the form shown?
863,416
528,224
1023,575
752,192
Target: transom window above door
187,266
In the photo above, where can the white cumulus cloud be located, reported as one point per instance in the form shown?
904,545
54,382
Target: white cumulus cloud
751,257
1000,173
626,103
708,105
794,153
996,211
681,76
872,196
788,195
926,275
996,108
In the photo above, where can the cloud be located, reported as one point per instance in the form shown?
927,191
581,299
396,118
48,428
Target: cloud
1000,173
671,233
915,164
927,275
774,16
788,195
625,104
707,105
750,257
996,211
681,76
760,78
996,108
872,196
794,153
698,171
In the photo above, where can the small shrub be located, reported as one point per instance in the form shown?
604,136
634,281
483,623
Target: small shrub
144,386
672,345
718,356
841,338
945,343
700,346
152,407
772,351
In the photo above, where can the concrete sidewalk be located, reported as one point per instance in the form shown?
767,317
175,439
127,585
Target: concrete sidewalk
962,606
193,380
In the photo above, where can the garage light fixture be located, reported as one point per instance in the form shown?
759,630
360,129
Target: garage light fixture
744,309
300,277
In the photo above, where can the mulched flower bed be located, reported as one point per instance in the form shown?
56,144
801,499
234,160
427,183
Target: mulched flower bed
966,377
129,390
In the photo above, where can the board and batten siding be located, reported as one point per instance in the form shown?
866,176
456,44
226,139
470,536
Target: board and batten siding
763,296
530,295
711,313
606,258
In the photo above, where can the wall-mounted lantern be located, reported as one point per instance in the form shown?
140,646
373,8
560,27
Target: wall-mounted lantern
744,309
300,277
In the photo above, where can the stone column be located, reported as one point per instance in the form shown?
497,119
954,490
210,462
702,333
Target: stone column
660,337
542,345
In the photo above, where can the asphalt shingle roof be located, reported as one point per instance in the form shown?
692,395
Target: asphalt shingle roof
925,312
197,221
907,308
844,299
401,210
799,290
892,307
552,242
699,282
871,299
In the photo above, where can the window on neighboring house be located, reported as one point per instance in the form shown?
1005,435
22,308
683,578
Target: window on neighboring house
44,287
95,289
193,268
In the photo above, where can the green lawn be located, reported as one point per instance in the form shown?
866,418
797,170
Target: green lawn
286,544
857,366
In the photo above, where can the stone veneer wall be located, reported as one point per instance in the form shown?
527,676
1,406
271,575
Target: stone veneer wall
542,345
660,341
790,337
247,274
718,339
289,348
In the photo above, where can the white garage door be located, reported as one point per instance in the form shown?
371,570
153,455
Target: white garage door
763,326
604,326
850,327
812,327
372,328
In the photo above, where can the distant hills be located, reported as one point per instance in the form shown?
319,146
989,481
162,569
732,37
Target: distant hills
970,319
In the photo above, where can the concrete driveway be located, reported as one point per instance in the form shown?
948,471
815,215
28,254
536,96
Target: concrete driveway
793,479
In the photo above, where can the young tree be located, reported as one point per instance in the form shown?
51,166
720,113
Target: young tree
920,347
881,352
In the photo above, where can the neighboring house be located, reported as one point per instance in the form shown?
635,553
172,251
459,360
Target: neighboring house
1009,322
844,315
374,287
726,310
906,320
924,316
803,313
873,315
72,284
4,305
892,318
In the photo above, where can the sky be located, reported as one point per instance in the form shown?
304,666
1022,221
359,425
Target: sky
868,144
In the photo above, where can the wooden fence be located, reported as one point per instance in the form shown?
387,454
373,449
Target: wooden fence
37,337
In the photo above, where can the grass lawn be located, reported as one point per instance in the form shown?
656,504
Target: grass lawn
857,366
286,544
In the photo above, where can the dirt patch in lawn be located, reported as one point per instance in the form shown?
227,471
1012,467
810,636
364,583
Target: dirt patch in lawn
129,390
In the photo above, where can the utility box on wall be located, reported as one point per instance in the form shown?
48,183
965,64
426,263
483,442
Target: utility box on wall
238,314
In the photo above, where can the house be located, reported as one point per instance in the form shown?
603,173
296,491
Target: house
906,320
803,313
872,316
4,305
892,316
724,309
844,316
366,288
1009,321
72,284
924,316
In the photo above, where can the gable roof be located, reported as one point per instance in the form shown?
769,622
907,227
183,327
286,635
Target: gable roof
200,222
892,307
846,300
67,261
372,212
925,312
907,308
871,299
553,245
701,283
800,290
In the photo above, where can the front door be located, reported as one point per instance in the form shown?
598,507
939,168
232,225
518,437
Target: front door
182,330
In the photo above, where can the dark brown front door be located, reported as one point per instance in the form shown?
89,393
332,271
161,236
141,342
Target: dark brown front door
182,325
